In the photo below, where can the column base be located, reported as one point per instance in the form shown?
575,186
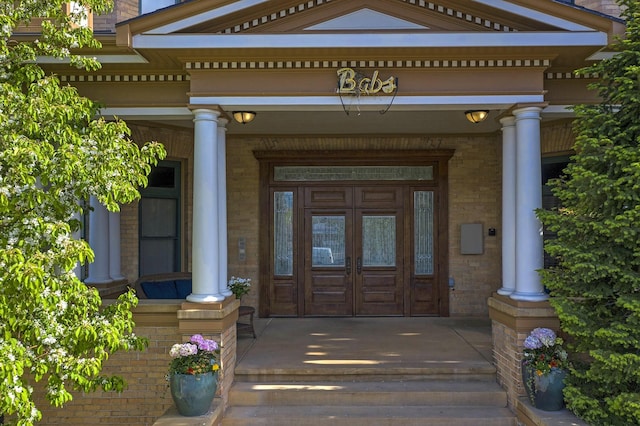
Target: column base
98,281
506,291
205,298
529,297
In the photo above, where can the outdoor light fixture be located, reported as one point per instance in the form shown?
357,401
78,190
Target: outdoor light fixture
476,116
244,117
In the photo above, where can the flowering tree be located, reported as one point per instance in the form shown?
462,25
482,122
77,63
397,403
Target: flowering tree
54,155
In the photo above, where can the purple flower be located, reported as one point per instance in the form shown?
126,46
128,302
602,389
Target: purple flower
197,339
545,335
204,344
208,345
532,342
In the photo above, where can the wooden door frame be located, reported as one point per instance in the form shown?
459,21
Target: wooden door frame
437,158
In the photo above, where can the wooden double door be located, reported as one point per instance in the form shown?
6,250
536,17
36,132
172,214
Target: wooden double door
354,252
347,235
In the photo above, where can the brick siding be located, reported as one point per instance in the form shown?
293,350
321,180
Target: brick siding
608,7
474,197
146,398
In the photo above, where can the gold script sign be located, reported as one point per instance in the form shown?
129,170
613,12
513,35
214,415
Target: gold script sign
350,82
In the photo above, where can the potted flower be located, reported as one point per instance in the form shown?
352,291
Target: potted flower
239,286
544,367
193,375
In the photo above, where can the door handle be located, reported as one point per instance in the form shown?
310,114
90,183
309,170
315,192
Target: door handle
348,265
359,266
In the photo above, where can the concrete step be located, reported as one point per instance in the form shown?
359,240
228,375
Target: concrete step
462,372
368,403
412,393
368,415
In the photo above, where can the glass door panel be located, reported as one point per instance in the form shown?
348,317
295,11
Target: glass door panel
328,241
378,241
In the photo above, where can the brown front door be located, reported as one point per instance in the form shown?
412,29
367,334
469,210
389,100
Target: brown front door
352,233
354,252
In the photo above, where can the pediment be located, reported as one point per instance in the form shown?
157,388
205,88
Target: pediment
323,16
366,19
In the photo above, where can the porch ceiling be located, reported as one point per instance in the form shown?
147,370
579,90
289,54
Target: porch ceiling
364,122
428,122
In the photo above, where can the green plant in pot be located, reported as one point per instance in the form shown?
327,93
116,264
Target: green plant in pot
239,286
544,367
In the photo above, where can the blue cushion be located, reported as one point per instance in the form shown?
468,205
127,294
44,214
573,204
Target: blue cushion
160,290
183,287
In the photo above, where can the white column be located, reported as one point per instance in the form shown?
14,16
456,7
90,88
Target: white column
508,205
99,242
115,271
529,250
222,206
205,256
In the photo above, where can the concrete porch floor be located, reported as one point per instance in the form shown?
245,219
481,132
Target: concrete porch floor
361,344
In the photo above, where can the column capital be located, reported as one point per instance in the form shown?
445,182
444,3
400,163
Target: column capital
205,114
531,112
508,121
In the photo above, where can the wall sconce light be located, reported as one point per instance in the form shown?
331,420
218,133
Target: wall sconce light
476,116
244,117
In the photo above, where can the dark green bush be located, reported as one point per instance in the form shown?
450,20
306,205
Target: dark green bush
595,288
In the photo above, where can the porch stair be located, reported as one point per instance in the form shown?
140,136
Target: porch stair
451,396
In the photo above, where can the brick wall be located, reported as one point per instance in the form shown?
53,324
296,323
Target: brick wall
608,7
243,213
507,355
146,398
474,197
474,194
122,10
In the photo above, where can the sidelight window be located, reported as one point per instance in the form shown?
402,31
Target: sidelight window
283,233
423,232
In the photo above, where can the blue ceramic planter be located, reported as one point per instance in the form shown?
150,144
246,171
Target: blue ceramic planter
545,392
193,394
